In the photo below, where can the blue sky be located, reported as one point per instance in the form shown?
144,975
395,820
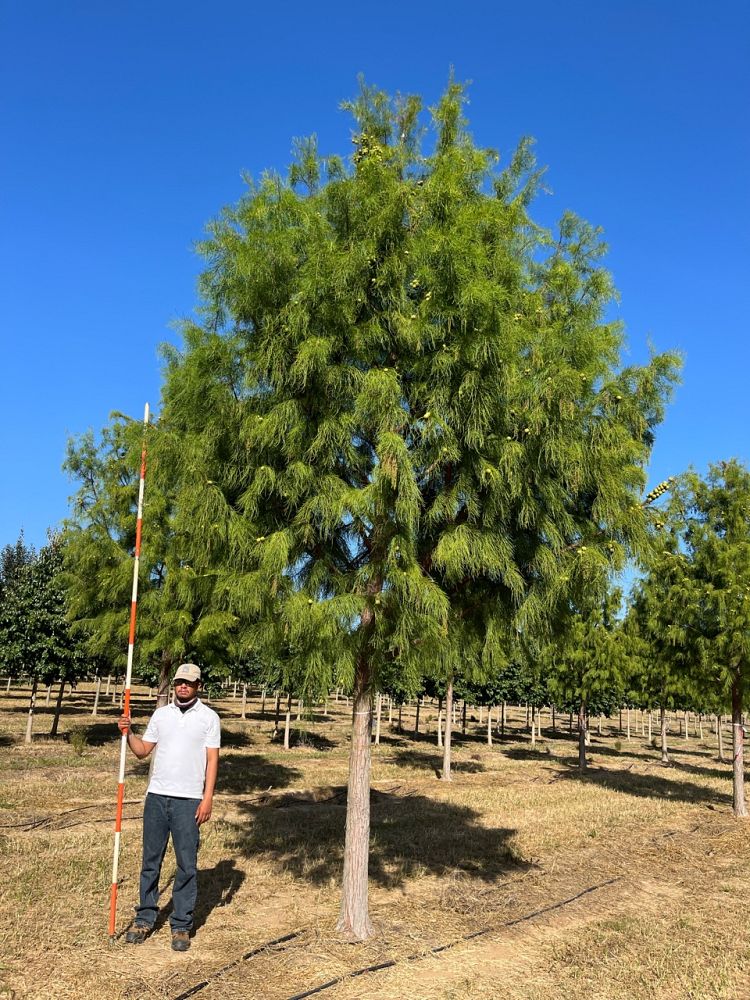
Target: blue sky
125,129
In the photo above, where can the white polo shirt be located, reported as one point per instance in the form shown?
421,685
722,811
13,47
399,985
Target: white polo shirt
181,740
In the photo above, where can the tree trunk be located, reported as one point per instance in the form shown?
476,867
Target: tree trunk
379,709
243,711
649,727
463,719
354,921
30,716
663,732
58,709
400,706
277,713
582,724
416,720
165,679
390,711
446,775
687,726
627,714
720,737
738,749
49,694
262,700
440,728
503,710
554,719
533,725
481,715
489,725
570,722
97,689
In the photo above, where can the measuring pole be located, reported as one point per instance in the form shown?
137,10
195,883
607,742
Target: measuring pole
128,673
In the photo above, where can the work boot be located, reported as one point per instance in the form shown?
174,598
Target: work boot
180,940
137,934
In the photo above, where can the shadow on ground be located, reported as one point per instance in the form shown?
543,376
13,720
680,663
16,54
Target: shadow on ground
216,888
304,738
426,760
409,834
652,786
242,773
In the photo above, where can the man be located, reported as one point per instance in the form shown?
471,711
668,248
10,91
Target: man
179,798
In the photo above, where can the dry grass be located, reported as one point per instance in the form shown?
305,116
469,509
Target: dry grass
508,849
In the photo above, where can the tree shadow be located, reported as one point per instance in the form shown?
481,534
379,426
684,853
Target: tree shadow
650,786
99,733
528,753
303,738
423,759
408,835
234,738
242,773
651,755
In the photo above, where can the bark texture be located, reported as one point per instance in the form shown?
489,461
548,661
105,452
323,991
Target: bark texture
446,775
354,920
582,723
30,716
738,750
663,733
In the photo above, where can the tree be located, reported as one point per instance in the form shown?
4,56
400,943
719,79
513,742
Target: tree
403,418
174,606
716,590
659,657
586,665
35,635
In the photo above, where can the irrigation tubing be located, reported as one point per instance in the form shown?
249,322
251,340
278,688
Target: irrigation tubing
452,944
390,963
238,961
128,675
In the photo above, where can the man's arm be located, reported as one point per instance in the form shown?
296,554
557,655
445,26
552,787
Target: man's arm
140,747
203,812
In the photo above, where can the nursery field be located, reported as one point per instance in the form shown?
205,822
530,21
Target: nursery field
520,878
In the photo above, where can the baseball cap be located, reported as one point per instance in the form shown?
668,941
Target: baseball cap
187,672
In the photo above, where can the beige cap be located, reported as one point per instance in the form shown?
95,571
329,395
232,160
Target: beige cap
187,672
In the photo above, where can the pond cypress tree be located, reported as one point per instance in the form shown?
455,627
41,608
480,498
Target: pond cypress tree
402,423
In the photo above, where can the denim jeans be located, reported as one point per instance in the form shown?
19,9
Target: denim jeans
164,815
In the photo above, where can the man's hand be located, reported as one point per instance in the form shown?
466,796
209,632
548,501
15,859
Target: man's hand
203,812
123,724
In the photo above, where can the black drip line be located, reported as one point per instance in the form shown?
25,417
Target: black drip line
380,966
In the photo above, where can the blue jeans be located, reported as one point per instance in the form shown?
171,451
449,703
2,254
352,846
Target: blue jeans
164,815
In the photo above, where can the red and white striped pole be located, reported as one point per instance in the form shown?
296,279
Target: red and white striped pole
128,674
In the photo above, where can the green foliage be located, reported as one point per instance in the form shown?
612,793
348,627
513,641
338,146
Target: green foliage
588,661
176,620
402,431
35,636
691,614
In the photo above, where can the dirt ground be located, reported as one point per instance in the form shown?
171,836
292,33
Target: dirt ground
520,878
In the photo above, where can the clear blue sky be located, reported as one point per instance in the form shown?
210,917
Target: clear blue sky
125,128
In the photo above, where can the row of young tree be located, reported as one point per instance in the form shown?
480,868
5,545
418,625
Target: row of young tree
400,444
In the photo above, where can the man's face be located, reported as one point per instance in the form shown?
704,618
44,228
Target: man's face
185,690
